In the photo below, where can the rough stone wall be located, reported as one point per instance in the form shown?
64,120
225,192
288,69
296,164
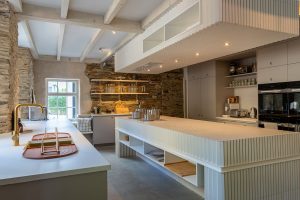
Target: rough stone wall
25,69
8,71
161,88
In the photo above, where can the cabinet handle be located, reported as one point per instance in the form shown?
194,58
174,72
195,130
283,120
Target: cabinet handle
271,63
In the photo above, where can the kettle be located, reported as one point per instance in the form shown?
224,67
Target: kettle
253,113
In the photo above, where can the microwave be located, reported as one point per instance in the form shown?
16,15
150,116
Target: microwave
279,103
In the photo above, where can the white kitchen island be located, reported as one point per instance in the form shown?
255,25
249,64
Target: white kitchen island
77,177
232,162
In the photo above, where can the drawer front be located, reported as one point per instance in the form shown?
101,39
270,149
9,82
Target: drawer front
272,74
294,72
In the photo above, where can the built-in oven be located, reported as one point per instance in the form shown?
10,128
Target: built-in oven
280,103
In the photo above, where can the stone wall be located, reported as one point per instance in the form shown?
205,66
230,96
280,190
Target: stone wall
8,71
26,78
165,90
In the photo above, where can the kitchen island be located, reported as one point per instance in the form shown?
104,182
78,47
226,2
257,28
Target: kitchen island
79,176
223,161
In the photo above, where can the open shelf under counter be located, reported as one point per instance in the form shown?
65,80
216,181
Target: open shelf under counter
241,75
124,81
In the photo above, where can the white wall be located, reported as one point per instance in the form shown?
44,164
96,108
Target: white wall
248,97
67,70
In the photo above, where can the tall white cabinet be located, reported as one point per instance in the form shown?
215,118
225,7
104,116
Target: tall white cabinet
205,90
279,62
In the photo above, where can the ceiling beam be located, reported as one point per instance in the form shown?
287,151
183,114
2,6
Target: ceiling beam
64,8
113,10
32,12
66,59
28,34
91,44
17,4
127,39
162,9
63,14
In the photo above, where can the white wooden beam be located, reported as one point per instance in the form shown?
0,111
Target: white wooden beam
159,11
64,8
91,44
28,34
66,59
113,10
17,4
32,12
60,40
127,39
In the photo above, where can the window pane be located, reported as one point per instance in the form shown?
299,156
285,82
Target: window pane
52,101
62,87
71,87
62,101
52,113
62,113
71,113
52,86
71,101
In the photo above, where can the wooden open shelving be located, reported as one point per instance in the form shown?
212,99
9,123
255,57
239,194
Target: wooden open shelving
122,81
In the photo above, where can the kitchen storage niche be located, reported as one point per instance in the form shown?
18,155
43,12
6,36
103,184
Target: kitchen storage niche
136,144
155,154
153,40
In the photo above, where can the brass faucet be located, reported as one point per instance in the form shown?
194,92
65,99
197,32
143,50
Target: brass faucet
16,132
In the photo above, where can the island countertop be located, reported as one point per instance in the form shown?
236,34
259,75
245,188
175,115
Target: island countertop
14,168
208,129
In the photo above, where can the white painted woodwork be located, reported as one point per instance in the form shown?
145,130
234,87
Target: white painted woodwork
17,4
254,163
274,55
64,8
103,130
273,74
165,6
113,10
294,71
66,59
32,12
91,44
60,40
28,34
294,51
230,17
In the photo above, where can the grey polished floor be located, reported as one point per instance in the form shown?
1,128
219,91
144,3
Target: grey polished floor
134,179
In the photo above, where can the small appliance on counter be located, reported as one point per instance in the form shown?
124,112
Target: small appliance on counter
253,113
231,103
239,113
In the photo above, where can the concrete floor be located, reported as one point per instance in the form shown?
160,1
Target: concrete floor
134,179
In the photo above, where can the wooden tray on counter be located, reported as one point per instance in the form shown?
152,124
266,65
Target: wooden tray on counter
64,149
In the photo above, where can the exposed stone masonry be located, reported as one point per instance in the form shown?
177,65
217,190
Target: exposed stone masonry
165,90
8,71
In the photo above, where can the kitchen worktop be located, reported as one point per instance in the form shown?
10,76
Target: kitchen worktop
14,168
242,120
110,114
207,129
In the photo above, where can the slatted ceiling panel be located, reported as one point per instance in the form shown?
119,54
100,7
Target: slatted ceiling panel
279,15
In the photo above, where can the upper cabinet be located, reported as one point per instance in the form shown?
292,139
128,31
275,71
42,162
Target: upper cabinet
273,74
294,51
294,71
275,55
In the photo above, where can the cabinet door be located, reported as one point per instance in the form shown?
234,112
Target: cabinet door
194,98
294,72
208,101
275,55
294,51
272,74
104,130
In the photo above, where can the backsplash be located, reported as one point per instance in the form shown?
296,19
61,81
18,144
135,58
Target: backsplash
165,90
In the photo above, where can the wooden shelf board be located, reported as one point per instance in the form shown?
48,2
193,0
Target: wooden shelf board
240,75
247,86
125,81
104,93
182,168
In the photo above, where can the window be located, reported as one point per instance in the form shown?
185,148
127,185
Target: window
62,98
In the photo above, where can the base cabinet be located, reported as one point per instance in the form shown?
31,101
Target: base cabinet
104,130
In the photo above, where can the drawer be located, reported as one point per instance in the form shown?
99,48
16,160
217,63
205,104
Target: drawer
273,74
294,72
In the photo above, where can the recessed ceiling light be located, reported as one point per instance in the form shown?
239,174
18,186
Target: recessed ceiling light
176,61
114,32
227,44
109,53
160,66
148,70
197,54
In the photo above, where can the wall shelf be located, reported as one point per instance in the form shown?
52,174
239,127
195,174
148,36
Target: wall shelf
241,75
105,93
123,81
247,86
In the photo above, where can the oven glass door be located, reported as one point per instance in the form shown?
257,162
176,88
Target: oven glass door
275,104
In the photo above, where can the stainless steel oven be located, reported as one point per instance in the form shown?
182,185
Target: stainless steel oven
280,103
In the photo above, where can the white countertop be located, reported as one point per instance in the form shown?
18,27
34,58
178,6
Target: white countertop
211,130
110,114
16,169
242,120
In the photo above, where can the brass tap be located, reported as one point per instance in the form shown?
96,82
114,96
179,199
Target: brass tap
16,132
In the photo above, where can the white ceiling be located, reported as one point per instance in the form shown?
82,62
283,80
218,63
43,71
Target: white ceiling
45,35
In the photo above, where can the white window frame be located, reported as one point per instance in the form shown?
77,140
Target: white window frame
77,93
